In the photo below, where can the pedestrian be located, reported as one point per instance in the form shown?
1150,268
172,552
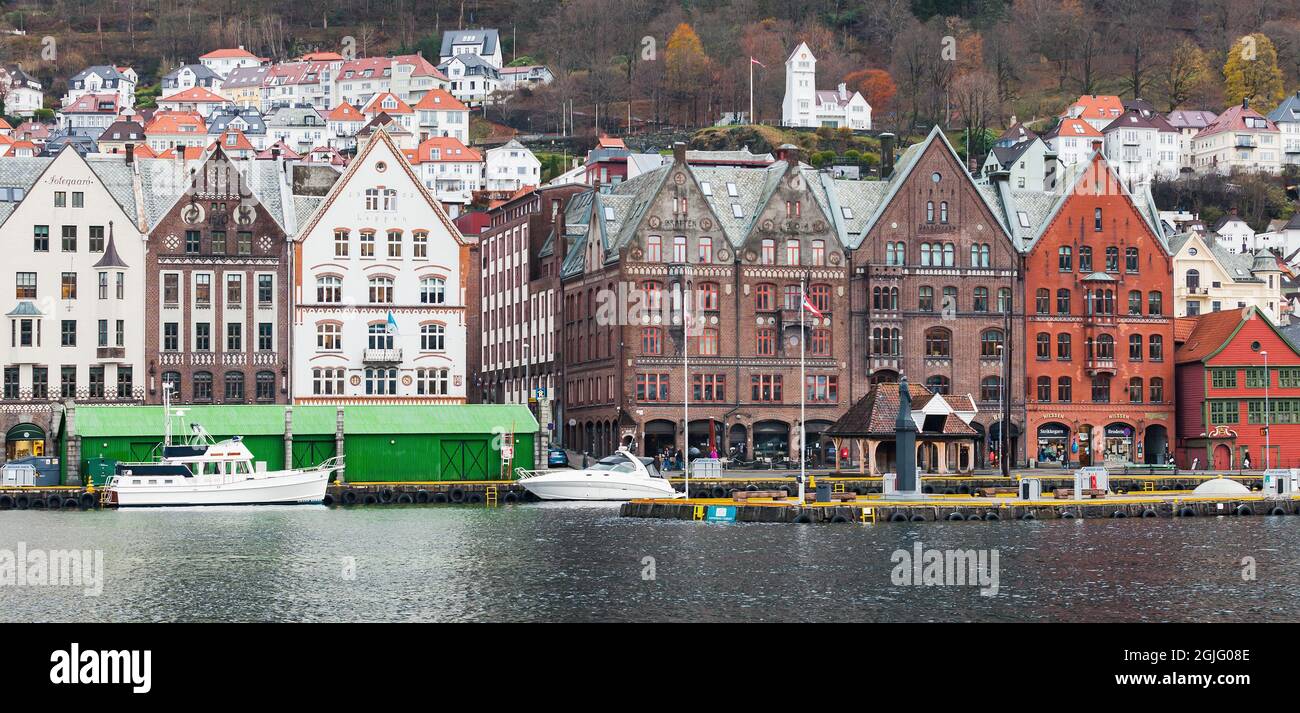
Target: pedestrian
1245,461
713,453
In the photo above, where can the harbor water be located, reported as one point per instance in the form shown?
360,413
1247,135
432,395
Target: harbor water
582,562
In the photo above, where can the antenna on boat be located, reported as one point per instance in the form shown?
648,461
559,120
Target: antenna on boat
167,413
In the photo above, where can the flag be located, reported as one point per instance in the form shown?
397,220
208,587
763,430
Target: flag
808,305
754,61
392,324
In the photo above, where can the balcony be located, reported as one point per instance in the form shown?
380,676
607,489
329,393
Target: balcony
1099,365
1186,291
382,356
1246,142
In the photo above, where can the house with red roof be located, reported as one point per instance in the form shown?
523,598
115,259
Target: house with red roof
300,83
89,111
236,145
175,128
438,113
196,99
388,103
223,61
451,170
408,76
1239,139
1073,140
344,122
1099,110
1228,366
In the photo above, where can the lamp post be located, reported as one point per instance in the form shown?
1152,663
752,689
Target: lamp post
1267,379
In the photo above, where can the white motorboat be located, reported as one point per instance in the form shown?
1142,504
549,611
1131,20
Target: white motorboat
209,472
621,476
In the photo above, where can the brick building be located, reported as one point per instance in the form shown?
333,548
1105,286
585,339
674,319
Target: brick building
724,249
1099,323
217,281
1221,378
935,290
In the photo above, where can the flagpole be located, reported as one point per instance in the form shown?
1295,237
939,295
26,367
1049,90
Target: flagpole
686,393
803,389
751,91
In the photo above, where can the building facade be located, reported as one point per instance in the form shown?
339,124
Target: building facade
1098,328
216,281
379,297
1209,278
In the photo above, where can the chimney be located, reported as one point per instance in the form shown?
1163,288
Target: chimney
844,92
1096,144
788,153
1245,103
679,153
130,154
886,155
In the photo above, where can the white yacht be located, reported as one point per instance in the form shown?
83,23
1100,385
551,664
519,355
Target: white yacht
621,476
205,471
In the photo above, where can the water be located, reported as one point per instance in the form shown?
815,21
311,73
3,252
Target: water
567,562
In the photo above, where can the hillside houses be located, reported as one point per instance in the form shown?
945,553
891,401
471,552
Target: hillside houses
103,79
22,93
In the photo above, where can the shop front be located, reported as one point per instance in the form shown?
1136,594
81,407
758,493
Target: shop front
1118,446
1053,444
23,440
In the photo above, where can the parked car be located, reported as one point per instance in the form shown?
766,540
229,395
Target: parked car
557,458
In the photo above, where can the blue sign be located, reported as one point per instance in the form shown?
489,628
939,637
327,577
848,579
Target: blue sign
720,513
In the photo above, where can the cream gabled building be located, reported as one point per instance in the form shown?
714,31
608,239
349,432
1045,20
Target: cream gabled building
1208,278
379,290
1239,139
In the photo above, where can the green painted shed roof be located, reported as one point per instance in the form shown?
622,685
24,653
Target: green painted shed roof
258,420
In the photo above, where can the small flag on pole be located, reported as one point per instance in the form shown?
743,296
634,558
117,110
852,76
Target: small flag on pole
754,61
808,305
392,324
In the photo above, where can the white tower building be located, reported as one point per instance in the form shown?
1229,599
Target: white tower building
799,108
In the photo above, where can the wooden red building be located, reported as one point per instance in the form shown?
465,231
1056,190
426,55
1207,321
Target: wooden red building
1098,328
1223,383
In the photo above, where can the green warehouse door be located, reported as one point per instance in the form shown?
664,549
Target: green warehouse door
145,451
464,460
308,452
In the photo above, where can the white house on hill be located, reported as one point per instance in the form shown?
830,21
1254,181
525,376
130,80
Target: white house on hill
805,106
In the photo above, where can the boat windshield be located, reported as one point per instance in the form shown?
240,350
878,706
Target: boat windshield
615,463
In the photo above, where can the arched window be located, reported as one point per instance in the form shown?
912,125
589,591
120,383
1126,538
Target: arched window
1004,300
172,380
203,386
1135,302
1193,279
1135,390
981,303
1105,347
1156,347
705,251
234,386
381,290
679,248
925,298
767,252
1085,259
329,289
925,255
818,256
654,248
991,388
991,344
792,251
1043,346
265,384
1101,388
1063,301
929,211
765,297
1064,390
949,255
1135,347
1155,304
433,291
1157,390
1044,385
943,212
938,384
433,337
1112,259
1043,301
1064,259
938,342
1063,347
329,336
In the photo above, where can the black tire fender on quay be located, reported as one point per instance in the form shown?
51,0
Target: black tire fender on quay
1277,511
1119,515
385,496
327,500
511,497
405,499
456,495
802,518
86,501
369,499
22,502
349,497
70,504
1029,516
1149,512
6,502
992,517
1245,510
1186,512
955,517
840,518
54,502
422,496
898,517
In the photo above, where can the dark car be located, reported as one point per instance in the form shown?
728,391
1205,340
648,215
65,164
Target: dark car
556,457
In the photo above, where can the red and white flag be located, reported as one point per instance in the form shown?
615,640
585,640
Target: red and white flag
808,305
754,61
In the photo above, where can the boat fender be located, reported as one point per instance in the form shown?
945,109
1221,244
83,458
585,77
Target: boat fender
955,517
349,497
422,496
839,518
38,504
1119,515
1067,515
718,491
786,489
898,517
475,498
1029,516
456,495
992,517
385,496
70,504
405,499
439,497
927,489
802,518
6,502
1149,513
54,502
751,487
327,500
22,502
1244,510
511,497
1187,512
369,499
86,501
1277,511
917,517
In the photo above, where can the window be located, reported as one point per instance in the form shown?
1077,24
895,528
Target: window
943,211
202,337
1043,346
1155,304
1256,378
938,343
11,382
40,382
896,253
395,244
1288,377
705,248
265,290
925,299
1044,387
1112,259
1157,389
69,286
1223,413
202,289
234,336
326,381
1105,348
1063,347
433,291
1156,347
991,344
886,342
822,387
381,290
938,384
1135,390
767,252
654,249
1130,260
25,285
652,341
69,333
60,199
679,248
981,303
234,386
171,380
820,297
96,382
125,379
367,243
991,388
67,382
765,342
1004,300
765,297
265,386
171,289
652,387
433,337
378,336
1101,389
265,337
765,387
1063,301
381,382
792,251
121,285
218,242
340,243
234,289
329,336
41,238
819,343
1064,389
1085,259
433,382
1096,220
171,337
244,243
193,239
707,295
1135,347
709,387
819,252
69,238
1064,259
1135,302
420,245
96,238
929,211
78,199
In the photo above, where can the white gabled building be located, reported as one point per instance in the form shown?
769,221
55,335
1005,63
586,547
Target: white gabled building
472,79
1287,119
450,169
1189,123
483,43
22,93
223,61
1142,145
103,79
379,290
804,105
1074,141
1239,139
73,285
511,167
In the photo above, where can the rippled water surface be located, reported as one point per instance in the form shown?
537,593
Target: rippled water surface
565,562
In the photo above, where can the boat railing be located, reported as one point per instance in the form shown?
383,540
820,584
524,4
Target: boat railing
331,464
523,474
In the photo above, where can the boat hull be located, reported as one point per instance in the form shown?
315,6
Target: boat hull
598,486
291,488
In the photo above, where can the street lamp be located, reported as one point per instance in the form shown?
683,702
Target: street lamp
1267,379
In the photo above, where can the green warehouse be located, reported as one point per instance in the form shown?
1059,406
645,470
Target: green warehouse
390,443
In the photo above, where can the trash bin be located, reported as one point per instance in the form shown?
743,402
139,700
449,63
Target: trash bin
823,492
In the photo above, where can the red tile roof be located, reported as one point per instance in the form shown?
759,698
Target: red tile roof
230,53
195,94
1234,119
1096,106
441,100
1211,331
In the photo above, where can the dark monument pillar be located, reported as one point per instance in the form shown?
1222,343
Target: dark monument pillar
905,441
